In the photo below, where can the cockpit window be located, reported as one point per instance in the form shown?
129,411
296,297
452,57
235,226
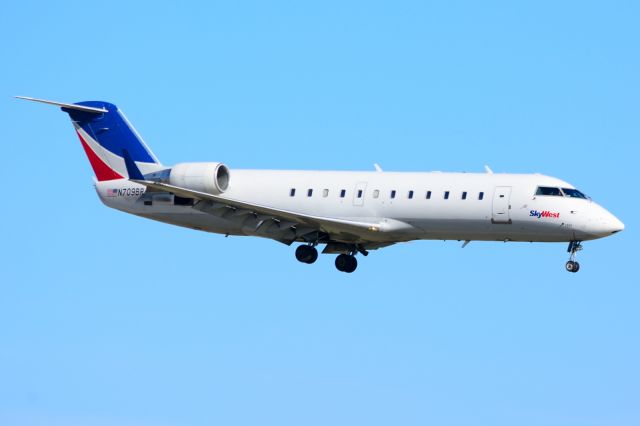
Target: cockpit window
548,190
573,193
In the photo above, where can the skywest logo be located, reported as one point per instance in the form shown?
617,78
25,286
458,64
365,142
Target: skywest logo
544,213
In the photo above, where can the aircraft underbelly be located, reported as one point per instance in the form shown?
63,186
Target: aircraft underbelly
477,230
200,222
485,230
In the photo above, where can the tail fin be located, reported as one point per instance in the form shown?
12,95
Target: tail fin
107,138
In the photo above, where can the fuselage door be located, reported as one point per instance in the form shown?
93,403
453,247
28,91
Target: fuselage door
501,205
358,193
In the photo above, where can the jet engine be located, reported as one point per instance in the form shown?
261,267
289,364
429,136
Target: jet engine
212,178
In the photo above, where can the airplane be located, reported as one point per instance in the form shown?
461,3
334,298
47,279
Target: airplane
349,212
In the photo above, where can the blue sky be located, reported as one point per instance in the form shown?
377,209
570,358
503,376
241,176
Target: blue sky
111,319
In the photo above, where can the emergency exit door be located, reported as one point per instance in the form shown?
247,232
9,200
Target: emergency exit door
358,193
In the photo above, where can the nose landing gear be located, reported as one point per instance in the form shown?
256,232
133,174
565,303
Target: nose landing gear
572,265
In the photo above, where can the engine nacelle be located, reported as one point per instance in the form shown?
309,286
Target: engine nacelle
212,178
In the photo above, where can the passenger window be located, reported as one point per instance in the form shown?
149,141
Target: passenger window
446,195
292,193
309,192
464,195
325,193
428,195
573,193
393,193
480,195
548,190
376,193
359,193
410,195
343,192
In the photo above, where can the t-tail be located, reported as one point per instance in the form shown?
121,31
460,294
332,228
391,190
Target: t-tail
108,139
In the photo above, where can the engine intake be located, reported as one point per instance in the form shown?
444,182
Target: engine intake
212,178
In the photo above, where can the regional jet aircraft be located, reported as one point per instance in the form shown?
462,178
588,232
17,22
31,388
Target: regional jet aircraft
349,213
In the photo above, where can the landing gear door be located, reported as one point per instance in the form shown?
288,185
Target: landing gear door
501,205
358,193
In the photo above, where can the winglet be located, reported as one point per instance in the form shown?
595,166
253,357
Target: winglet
65,105
132,169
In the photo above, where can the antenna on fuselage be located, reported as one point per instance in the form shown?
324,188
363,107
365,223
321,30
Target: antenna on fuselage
377,167
488,169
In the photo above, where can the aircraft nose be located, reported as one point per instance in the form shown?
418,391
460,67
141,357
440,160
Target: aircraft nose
601,223
614,224
607,224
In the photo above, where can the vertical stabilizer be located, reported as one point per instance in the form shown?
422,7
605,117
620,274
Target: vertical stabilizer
105,134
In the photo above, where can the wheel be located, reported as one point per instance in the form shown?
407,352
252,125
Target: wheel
572,266
313,255
341,262
346,263
306,254
301,253
569,266
352,264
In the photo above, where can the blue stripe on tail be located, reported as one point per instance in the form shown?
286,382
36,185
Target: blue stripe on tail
112,131
132,170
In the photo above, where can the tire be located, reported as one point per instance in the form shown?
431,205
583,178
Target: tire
572,266
312,255
341,262
352,264
306,254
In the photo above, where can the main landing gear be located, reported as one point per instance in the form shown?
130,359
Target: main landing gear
345,262
306,254
572,265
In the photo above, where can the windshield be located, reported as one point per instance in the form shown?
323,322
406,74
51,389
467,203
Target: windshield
573,193
566,192
548,190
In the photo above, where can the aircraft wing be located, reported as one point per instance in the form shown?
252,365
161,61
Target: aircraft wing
285,220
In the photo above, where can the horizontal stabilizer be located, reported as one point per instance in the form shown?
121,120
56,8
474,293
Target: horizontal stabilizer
65,105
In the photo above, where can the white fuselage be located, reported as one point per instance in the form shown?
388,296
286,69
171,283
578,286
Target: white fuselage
348,212
412,206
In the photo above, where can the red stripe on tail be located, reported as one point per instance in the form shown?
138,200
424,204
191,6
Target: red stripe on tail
100,168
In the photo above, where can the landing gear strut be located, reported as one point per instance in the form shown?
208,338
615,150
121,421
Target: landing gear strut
572,265
306,254
346,263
